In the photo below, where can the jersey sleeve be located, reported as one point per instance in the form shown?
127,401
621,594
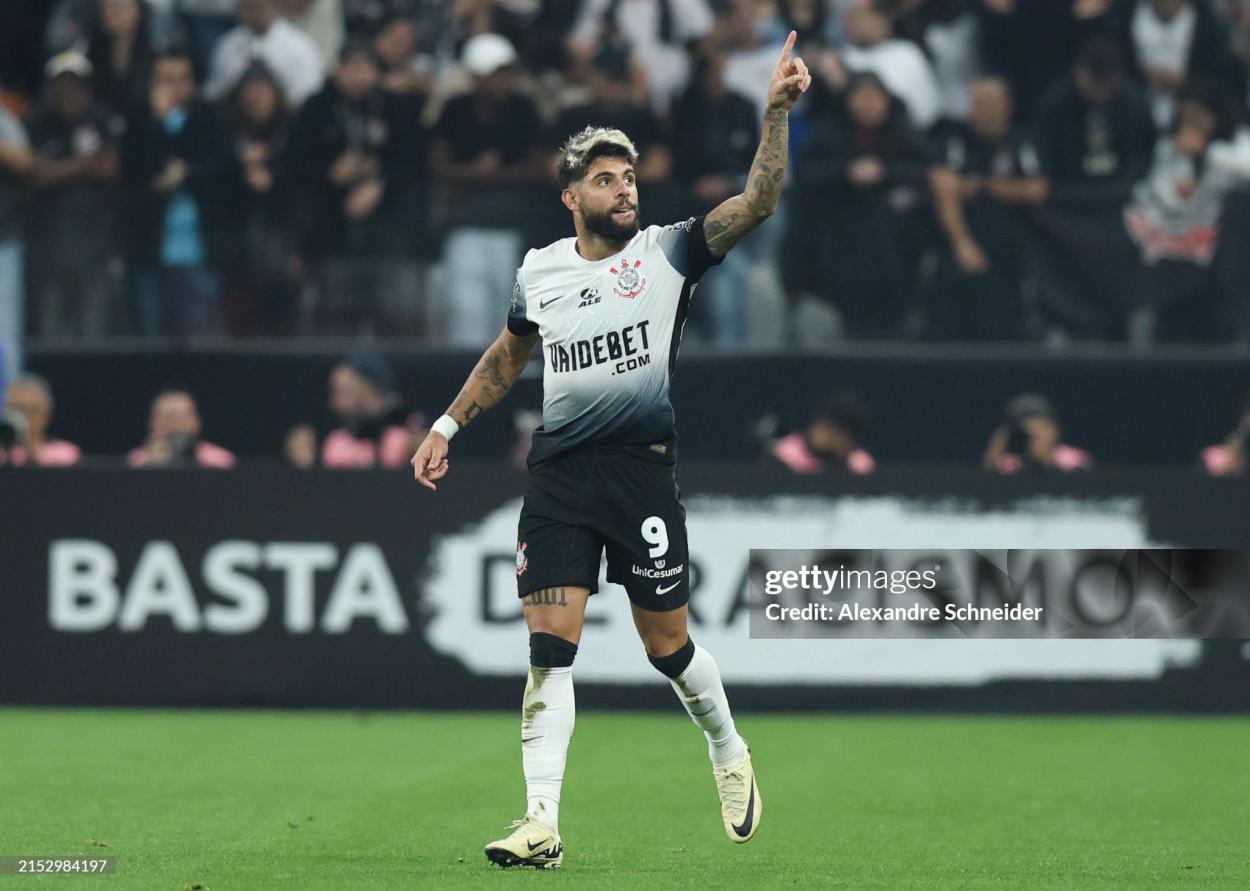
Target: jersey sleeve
518,322
685,246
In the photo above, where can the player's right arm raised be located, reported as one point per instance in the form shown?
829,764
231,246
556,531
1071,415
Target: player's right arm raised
492,378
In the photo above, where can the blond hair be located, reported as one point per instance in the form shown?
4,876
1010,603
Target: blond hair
581,149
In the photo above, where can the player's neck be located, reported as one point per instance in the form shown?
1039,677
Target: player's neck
595,247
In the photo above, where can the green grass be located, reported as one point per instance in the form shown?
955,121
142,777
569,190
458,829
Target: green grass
336,800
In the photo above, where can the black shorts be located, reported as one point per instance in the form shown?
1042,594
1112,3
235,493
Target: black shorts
597,499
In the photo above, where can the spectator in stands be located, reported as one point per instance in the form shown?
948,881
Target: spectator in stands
1094,137
322,20
830,443
349,153
716,134
1174,214
73,173
486,149
1030,440
1094,132
1035,42
174,158
809,19
1174,41
984,173
900,65
1231,457
405,71
613,104
15,161
855,188
174,431
378,426
121,48
262,34
659,32
258,254
30,397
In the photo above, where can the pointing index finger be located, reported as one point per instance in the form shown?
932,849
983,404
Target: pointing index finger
785,52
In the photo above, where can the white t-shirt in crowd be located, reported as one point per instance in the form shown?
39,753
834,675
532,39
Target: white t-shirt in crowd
288,51
905,72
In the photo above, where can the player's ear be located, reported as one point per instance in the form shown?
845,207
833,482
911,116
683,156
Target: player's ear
570,199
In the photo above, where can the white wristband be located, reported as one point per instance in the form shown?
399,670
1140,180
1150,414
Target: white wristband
447,426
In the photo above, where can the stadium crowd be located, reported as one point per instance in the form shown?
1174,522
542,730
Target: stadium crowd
962,169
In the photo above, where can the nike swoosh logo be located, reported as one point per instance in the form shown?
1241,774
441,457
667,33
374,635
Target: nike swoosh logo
659,590
529,739
745,829
543,304
534,848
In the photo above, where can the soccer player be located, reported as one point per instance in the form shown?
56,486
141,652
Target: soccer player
609,306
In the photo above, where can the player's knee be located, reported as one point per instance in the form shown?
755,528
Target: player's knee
675,661
550,651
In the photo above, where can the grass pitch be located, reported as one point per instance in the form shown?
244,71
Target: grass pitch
260,800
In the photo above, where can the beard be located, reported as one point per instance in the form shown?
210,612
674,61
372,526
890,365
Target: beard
607,228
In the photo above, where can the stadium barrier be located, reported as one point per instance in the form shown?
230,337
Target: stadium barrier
280,588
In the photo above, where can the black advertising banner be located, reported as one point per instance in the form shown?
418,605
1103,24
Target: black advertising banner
271,587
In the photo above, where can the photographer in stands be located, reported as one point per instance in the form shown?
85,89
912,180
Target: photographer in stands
831,441
1029,439
174,436
24,427
379,428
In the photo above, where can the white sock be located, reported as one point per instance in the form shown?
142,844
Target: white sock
546,727
701,692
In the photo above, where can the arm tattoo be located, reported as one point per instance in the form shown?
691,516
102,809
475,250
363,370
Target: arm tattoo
496,372
731,221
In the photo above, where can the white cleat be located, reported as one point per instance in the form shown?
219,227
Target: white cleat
532,843
740,804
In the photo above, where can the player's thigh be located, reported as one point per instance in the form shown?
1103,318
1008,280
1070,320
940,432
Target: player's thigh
559,610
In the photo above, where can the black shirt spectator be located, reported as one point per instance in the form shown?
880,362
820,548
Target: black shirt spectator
1034,42
484,147
173,159
174,142
1094,131
74,171
984,173
346,151
715,137
853,195
120,48
257,252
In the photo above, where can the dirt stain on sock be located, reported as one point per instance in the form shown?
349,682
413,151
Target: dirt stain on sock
531,710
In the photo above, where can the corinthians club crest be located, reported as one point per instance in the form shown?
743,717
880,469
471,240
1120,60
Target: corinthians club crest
522,562
629,280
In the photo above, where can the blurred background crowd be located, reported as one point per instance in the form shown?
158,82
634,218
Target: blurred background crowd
368,423
1043,170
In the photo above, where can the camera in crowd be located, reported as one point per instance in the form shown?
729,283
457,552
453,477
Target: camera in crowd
12,428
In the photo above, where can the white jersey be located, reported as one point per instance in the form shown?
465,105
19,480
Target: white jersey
610,331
